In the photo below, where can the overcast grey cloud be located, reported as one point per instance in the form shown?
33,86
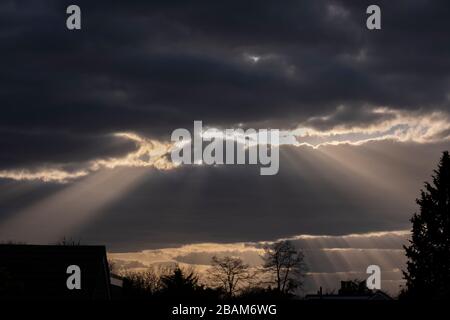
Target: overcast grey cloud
150,66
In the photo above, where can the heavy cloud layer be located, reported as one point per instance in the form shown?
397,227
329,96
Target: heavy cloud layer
152,66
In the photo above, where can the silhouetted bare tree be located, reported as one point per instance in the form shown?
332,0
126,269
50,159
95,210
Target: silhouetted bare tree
141,284
69,242
284,264
229,273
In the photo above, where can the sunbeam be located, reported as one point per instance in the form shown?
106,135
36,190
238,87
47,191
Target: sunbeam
60,214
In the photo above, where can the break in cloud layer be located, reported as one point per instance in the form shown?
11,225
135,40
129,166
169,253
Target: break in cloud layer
330,259
148,153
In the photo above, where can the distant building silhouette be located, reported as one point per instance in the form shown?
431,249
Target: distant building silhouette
350,290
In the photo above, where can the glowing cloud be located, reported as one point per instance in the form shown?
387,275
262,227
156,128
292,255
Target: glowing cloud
45,175
393,125
149,153
398,126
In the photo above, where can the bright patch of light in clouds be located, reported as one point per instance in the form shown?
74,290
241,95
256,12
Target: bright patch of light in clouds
252,57
399,126
393,125
45,175
149,153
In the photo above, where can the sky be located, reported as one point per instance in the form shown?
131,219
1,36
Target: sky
87,115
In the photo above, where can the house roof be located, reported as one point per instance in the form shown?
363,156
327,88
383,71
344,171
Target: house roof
40,271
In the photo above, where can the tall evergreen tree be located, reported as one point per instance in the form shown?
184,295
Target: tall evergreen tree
428,267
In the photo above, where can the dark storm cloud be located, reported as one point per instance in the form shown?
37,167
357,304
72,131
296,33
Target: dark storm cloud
22,149
152,66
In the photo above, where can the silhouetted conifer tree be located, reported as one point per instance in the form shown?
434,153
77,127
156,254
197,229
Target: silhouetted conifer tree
428,267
